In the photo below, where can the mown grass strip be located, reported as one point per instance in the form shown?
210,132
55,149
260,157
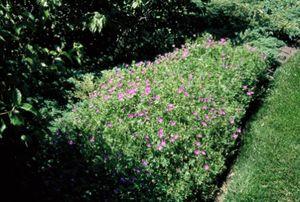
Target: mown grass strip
268,166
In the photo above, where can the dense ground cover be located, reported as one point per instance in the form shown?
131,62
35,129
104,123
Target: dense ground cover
268,166
162,130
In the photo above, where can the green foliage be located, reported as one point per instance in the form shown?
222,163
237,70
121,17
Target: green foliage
276,18
271,143
161,130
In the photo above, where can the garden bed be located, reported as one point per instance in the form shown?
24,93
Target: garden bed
160,130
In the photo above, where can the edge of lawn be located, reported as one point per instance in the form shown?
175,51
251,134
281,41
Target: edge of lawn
266,168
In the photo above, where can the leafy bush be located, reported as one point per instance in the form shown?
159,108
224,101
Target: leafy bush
275,18
155,130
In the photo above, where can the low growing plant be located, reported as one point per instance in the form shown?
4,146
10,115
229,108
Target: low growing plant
157,130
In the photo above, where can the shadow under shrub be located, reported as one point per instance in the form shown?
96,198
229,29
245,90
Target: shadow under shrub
164,129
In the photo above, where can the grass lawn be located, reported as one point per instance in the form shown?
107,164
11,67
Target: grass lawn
268,167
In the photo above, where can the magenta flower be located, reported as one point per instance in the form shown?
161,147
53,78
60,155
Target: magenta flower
147,90
106,97
70,142
198,144
120,85
172,123
185,53
131,115
234,136
174,138
163,143
160,133
203,152
148,145
144,162
180,89
222,112
206,167
121,96
159,147
250,93
196,152
156,97
223,41
132,91
245,87
186,94
203,123
160,120
170,107
239,130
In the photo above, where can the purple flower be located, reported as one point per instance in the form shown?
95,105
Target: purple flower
198,144
185,53
222,112
160,120
245,87
70,142
132,91
203,152
160,132
250,93
131,115
223,41
144,162
206,167
203,123
170,107
147,90
163,143
172,123
174,138
239,130
121,96
156,97
180,89
196,152
234,136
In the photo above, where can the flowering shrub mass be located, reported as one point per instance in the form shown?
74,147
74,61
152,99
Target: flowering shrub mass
163,129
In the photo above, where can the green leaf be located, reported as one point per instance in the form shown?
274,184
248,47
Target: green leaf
15,119
2,127
28,107
17,97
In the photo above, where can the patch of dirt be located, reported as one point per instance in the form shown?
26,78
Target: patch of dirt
286,52
223,189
